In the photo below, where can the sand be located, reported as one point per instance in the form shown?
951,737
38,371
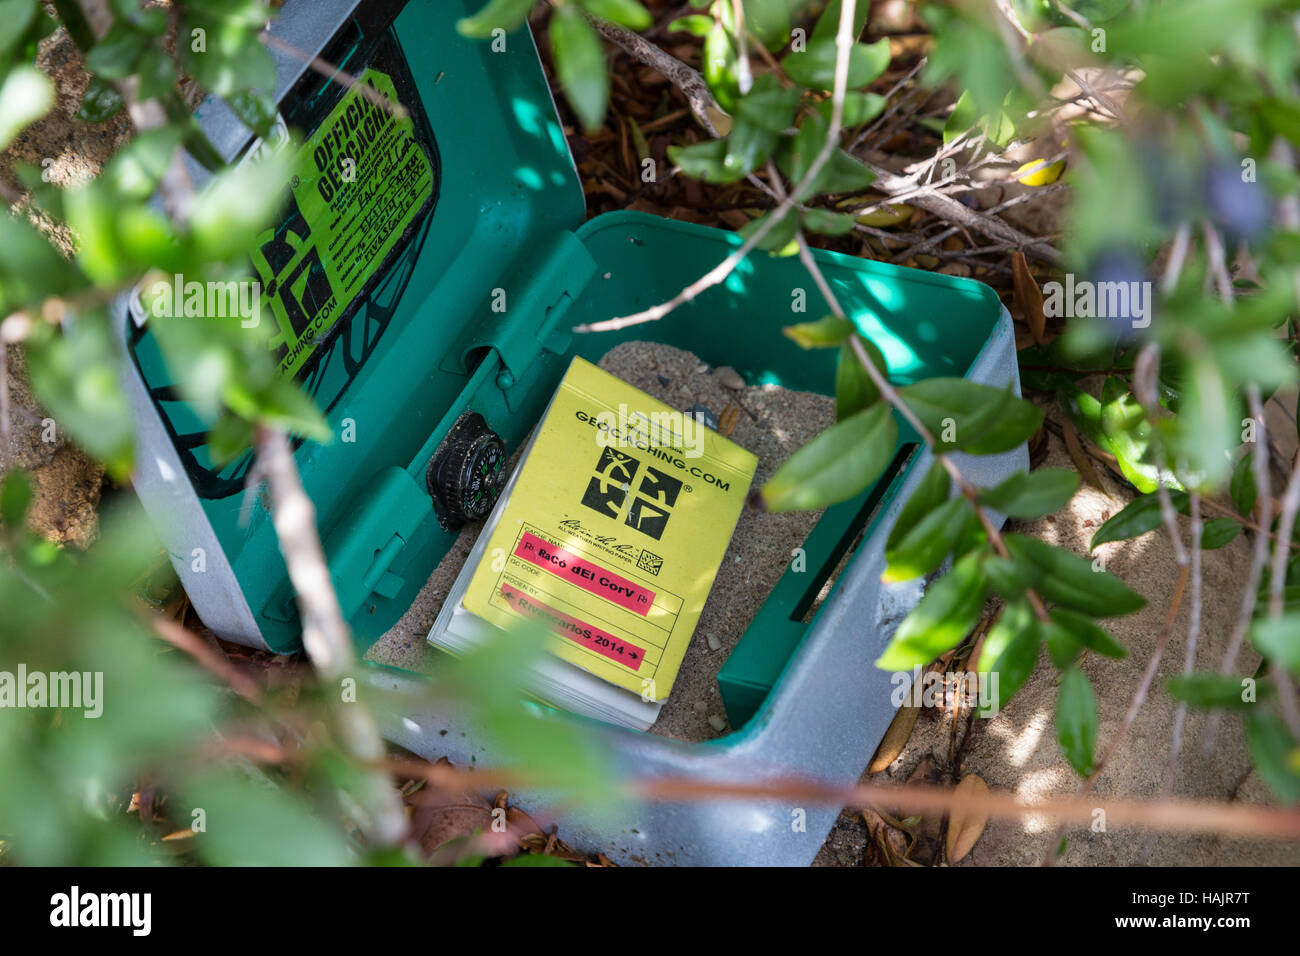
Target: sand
1016,751
771,422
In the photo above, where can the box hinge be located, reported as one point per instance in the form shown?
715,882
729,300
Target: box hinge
523,314
363,546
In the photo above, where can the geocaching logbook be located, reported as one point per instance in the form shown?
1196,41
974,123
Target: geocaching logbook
608,534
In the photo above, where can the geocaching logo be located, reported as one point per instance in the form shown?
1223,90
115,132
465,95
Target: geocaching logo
649,508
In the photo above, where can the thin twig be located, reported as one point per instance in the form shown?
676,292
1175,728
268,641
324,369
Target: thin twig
325,634
1171,815
332,72
1259,554
686,78
207,657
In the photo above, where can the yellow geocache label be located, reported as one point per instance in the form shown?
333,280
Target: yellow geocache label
614,530
360,182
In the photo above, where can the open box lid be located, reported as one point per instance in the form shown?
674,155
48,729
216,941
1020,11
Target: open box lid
498,186
470,311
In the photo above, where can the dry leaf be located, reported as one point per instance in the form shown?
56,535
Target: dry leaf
1029,297
966,825
895,739
728,420
892,844
1080,457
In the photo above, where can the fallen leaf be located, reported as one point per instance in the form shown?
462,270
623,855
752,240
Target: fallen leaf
442,816
966,825
895,739
1082,460
892,844
728,420
1029,297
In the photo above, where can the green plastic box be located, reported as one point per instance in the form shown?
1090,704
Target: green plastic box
423,344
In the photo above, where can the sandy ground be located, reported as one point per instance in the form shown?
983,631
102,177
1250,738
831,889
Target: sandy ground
1016,751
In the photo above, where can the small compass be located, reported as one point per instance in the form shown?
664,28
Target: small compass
467,472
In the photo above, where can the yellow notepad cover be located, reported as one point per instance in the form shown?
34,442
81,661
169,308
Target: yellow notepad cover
614,531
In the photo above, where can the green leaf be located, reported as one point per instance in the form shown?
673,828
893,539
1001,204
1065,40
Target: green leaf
1212,690
114,57
580,65
15,498
702,160
1088,632
537,859
627,13
859,108
101,101
719,68
1208,413
947,613
1007,577
836,465
15,17
1011,649
925,546
1062,646
1275,752
248,824
780,239
748,146
814,67
696,24
827,223
1257,358
77,379
139,167
257,111
768,105
1217,532
505,14
1278,639
1116,424
929,494
769,20
964,115
238,205
30,268
1132,521
1242,486
1068,579
967,416
25,97
854,387
830,331
828,24
1076,720
841,172
1032,494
